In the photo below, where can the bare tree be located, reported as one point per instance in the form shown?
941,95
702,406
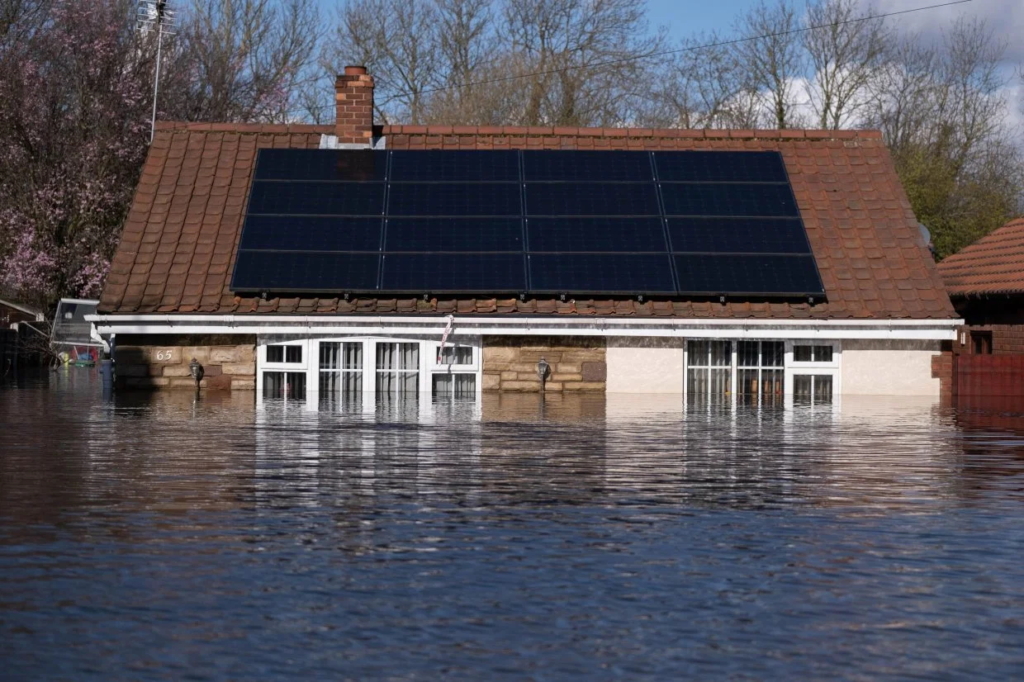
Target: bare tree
399,43
772,58
846,49
246,60
472,65
584,62
704,87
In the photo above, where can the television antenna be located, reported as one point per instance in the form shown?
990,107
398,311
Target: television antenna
155,15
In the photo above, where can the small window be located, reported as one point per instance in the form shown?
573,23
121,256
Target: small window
455,355
981,343
821,353
813,389
454,386
284,385
284,354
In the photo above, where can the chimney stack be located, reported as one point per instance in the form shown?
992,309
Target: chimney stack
353,95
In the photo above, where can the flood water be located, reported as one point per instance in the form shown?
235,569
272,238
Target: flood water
161,537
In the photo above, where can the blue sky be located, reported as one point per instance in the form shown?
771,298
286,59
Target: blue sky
684,17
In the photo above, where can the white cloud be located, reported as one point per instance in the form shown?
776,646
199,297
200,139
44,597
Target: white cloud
1004,17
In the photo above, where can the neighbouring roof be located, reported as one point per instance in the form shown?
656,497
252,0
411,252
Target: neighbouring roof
38,314
992,265
179,242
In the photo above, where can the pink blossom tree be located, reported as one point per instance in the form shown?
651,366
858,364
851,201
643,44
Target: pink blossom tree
73,102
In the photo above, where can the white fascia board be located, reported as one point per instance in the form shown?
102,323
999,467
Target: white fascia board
941,330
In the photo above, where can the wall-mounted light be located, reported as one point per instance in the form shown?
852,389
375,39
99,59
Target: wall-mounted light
196,370
542,371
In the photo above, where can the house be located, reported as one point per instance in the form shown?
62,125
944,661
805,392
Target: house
985,281
15,313
21,334
839,295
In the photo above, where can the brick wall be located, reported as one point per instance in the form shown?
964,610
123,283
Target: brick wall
942,369
354,103
576,364
1007,339
229,363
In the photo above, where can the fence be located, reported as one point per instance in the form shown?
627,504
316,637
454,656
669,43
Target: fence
989,375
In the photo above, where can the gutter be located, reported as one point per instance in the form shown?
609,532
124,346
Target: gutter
931,329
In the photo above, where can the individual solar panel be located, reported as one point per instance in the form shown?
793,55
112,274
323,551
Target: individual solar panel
591,199
305,271
586,166
747,274
311,233
601,273
454,199
454,234
317,198
454,273
738,235
761,200
720,166
611,235
454,166
316,164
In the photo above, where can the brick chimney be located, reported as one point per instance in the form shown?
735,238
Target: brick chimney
353,95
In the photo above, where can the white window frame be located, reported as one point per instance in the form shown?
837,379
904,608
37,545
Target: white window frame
832,368
428,365
284,366
790,367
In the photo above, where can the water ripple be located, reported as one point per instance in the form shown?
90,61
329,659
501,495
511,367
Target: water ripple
161,537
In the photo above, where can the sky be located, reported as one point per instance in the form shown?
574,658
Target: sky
683,17
1005,17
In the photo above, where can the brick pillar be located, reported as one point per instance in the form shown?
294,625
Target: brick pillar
354,100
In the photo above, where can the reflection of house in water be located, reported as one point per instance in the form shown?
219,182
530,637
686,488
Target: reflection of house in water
993,446
164,454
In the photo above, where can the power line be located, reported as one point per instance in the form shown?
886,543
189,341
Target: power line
689,48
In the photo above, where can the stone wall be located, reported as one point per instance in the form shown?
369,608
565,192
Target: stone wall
229,362
576,363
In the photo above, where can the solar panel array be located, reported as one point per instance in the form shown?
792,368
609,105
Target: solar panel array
689,223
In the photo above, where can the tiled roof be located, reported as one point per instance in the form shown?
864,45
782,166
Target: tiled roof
178,247
992,265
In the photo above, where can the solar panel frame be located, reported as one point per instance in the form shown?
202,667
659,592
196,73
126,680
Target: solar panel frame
565,194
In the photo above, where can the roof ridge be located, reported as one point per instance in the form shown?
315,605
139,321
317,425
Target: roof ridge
699,133
193,126
982,244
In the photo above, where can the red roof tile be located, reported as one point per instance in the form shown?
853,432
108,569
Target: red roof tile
179,241
992,265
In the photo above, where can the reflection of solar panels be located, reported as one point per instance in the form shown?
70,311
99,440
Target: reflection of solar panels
70,328
688,223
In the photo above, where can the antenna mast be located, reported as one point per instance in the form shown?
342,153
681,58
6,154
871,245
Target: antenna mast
155,15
